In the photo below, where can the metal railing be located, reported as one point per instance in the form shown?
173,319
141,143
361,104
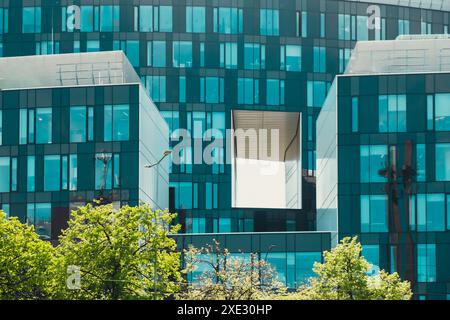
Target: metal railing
401,61
90,73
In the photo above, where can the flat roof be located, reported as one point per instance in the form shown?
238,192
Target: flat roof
72,69
442,5
417,54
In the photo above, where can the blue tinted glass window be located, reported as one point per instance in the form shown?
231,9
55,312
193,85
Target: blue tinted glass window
372,254
293,58
157,88
228,20
5,173
182,89
248,91
430,212
14,174
211,89
156,53
362,29
224,224
392,113
304,24
322,25
426,262
3,21
146,18
131,49
43,125
254,56
103,171
31,20
228,55
109,18
202,54
87,18
116,122
52,172
430,112
373,159
344,27
442,112
208,195
443,161
23,126
319,59
421,162
275,92
316,93
78,124
269,22
185,195
5,208
40,216
116,168
182,54
64,172
355,114
195,19
165,19
304,262
448,211
403,27
90,123
31,171
278,262
374,213
92,46
73,172
121,122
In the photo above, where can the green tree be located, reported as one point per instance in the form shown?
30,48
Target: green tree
119,252
28,265
228,277
344,276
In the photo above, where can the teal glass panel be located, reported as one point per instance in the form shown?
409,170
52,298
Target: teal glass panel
43,125
43,220
146,18
103,171
87,18
195,19
442,112
5,173
426,263
52,172
78,124
31,172
73,172
293,58
165,18
442,162
304,262
372,254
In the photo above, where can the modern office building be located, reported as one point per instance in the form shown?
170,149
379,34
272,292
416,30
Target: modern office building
208,64
383,157
74,128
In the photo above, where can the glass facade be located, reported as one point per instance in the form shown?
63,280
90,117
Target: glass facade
80,147
392,163
199,61
292,255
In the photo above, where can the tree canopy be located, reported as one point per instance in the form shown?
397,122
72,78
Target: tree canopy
344,276
121,254
28,265
223,276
